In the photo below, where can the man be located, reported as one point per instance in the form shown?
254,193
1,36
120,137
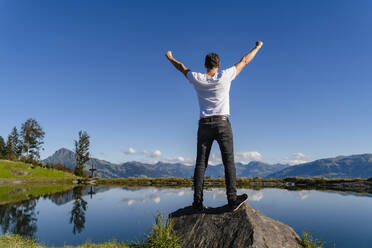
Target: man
213,89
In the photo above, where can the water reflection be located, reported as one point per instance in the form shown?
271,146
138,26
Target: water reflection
303,195
19,218
128,213
153,197
78,211
91,192
256,196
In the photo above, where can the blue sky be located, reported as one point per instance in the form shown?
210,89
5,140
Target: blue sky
99,66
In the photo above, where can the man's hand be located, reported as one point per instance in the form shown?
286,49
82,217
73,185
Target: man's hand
248,57
259,44
168,54
179,66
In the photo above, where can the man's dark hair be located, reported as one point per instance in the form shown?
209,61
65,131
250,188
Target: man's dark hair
212,60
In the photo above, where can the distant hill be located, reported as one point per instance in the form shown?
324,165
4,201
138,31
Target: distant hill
258,169
160,169
68,159
338,167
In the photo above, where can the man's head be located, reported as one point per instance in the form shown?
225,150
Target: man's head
212,60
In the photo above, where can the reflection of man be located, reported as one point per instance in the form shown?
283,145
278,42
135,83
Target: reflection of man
213,89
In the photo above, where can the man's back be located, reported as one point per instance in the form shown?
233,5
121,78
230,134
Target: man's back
213,92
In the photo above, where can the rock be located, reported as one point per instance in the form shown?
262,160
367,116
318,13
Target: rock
219,227
17,191
19,173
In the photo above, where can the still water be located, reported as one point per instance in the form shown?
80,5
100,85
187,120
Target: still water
104,213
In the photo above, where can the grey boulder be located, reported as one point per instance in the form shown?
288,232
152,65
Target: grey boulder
220,228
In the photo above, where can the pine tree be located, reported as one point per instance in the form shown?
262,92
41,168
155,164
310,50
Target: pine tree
82,152
2,148
9,154
13,145
32,138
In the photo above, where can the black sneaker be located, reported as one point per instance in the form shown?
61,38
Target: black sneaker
240,199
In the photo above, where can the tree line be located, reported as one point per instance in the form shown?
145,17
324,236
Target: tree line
25,146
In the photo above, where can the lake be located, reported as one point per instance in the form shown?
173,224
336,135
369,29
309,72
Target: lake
126,214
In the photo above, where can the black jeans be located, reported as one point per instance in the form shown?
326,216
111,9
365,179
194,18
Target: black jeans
210,129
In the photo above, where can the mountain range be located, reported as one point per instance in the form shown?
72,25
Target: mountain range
137,169
338,167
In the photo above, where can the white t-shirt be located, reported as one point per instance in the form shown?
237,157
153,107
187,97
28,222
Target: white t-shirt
213,92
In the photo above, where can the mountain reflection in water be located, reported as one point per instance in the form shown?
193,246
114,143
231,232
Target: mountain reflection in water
103,213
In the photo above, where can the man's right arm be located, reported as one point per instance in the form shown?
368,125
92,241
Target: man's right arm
179,66
248,57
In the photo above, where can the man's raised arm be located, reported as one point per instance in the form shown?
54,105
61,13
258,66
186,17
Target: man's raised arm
248,57
179,66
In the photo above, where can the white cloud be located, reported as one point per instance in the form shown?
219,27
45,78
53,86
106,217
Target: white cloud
296,158
242,157
156,154
248,156
214,159
183,160
296,161
154,197
256,196
302,195
130,151
218,193
300,155
129,201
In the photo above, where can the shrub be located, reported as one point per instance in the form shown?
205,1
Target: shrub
162,235
308,241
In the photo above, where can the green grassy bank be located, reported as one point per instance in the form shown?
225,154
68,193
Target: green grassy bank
172,241
16,241
12,172
20,181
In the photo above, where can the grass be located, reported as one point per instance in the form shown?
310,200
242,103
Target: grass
308,241
161,236
16,241
19,170
19,181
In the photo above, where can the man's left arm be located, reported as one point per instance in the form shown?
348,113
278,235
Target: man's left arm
179,66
